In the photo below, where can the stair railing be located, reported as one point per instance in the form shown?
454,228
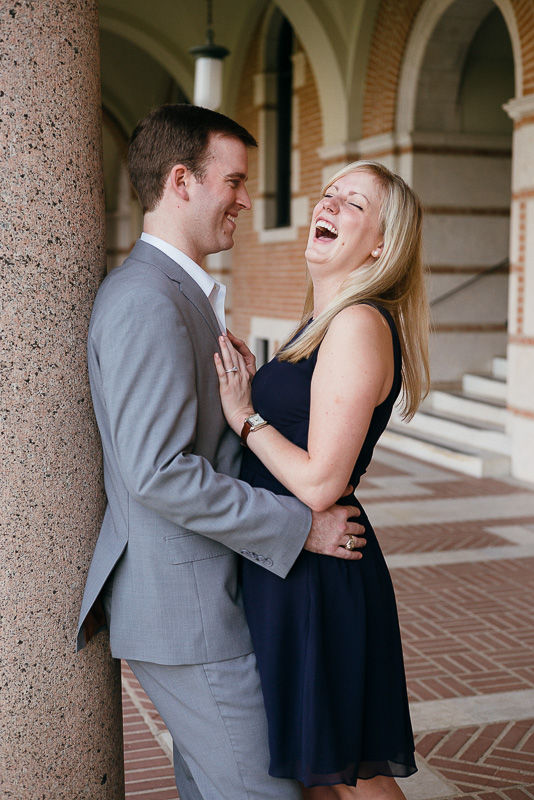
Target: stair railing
470,281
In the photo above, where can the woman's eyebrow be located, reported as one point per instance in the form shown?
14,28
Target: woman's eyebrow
361,195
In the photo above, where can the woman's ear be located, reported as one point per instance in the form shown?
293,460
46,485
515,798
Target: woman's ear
377,251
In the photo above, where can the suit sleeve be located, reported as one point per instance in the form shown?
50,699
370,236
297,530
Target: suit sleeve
144,374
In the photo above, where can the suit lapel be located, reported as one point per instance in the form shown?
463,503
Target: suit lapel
142,251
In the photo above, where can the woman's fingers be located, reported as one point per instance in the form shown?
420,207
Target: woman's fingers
227,352
232,359
219,366
241,364
241,347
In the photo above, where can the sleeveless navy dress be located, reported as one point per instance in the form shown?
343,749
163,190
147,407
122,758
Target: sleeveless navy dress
327,637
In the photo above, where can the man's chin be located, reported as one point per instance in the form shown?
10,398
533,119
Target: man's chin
228,243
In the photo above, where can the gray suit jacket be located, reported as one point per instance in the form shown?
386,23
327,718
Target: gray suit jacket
176,515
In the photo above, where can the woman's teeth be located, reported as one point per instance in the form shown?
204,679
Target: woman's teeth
325,229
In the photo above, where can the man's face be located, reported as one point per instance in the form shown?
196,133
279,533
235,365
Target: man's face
215,202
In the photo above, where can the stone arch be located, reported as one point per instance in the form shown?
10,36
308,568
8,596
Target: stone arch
460,164
398,45
179,66
422,31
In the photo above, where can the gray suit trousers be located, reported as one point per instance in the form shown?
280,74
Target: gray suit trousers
215,715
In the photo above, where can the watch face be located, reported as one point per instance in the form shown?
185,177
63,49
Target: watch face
255,419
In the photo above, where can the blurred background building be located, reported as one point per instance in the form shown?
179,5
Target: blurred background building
438,90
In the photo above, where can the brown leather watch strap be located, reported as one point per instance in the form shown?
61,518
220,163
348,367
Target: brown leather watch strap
252,423
245,430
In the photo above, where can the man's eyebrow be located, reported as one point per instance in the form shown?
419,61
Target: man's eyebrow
240,175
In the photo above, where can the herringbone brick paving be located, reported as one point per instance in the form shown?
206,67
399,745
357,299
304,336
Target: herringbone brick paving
467,631
498,756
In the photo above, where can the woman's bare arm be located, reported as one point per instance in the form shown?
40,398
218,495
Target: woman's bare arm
353,375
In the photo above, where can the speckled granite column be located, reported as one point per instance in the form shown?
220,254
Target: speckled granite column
60,716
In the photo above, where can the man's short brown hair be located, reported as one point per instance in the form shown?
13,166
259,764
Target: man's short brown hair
175,134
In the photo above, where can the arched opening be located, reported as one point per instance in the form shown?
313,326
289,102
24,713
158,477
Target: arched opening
461,167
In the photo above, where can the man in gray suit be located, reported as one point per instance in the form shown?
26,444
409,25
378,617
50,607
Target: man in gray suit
165,563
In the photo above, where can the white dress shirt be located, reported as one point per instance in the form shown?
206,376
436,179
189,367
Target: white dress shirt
214,291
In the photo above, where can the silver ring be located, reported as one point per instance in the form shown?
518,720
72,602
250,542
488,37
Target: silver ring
234,369
351,544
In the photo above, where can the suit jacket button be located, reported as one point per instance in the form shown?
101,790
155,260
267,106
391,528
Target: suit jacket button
245,552
269,562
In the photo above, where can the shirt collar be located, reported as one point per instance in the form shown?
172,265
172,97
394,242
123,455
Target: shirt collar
203,280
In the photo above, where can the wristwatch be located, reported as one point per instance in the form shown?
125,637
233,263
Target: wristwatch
252,423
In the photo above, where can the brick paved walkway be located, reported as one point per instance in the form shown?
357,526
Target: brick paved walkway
461,553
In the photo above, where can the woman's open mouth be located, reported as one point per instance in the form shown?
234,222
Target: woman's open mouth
325,231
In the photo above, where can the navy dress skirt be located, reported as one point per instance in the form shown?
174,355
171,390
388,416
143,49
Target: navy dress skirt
327,637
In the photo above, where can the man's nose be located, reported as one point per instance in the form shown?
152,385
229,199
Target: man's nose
243,198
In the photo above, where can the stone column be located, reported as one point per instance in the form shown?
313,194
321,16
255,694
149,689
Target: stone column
521,302
60,713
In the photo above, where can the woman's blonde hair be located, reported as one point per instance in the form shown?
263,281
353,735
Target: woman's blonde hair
394,281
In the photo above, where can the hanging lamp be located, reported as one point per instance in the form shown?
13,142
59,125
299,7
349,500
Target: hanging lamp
208,67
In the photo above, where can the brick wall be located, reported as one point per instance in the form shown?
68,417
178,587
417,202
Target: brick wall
524,14
392,27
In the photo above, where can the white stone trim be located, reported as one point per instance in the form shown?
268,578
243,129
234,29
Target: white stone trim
300,211
271,329
299,69
344,151
300,217
275,235
520,107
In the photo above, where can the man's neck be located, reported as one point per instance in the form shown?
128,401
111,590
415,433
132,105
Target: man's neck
167,231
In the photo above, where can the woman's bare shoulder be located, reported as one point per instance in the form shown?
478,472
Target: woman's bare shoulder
356,319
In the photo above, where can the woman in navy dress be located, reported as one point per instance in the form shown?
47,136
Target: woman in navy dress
327,637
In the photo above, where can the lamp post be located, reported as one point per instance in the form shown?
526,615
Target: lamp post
208,67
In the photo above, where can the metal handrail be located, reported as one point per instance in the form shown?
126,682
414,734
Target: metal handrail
470,281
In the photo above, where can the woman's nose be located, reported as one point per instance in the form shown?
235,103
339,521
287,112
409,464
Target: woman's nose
329,204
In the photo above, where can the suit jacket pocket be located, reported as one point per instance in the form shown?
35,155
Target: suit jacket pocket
192,547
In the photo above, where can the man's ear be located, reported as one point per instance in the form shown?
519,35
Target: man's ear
179,177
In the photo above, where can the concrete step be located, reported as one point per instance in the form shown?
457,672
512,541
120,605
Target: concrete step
458,429
464,430
468,406
462,458
499,367
484,386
